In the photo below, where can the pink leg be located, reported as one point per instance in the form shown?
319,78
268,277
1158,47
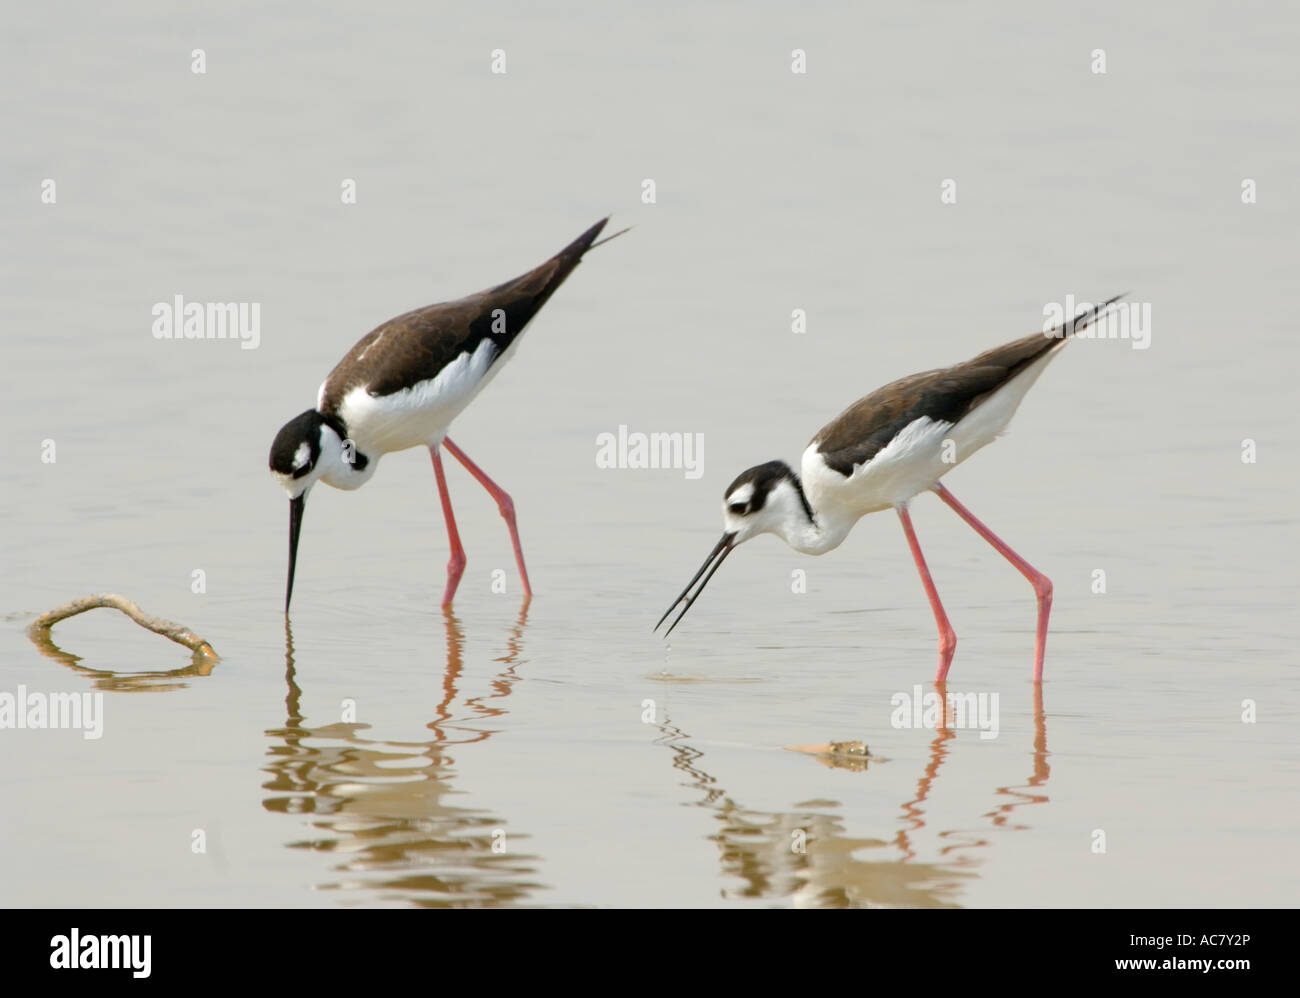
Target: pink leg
947,638
1041,583
504,503
456,564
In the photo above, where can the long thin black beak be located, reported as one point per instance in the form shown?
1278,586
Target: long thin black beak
296,506
716,557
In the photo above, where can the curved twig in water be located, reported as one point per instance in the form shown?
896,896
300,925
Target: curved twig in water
40,627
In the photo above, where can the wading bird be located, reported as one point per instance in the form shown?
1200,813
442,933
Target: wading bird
403,384
880,452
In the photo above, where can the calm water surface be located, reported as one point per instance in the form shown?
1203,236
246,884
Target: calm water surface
385,753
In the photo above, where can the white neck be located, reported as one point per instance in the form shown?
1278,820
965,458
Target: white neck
785,515
826,533
334,470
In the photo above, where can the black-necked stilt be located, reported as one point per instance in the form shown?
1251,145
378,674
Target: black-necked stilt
403,384
883,450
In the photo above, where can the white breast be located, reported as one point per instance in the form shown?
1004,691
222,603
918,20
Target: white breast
419,416
911,463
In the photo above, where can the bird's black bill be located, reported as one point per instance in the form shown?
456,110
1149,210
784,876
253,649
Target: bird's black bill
296,506
716,557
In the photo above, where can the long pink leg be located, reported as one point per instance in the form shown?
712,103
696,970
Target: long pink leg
505,504
1041,583
456,564
947,638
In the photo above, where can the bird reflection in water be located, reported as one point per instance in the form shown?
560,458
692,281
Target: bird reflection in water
958,843
384,807
804,856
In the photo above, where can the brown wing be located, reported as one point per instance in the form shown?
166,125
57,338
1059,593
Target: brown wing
947,395
857,434
419,344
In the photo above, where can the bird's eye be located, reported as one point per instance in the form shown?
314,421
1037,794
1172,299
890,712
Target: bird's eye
738,508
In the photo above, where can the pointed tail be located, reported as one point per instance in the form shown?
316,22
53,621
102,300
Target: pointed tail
1083,320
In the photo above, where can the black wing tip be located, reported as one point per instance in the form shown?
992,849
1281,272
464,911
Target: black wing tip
1083,319
569,257
1107,303
583,243
587,241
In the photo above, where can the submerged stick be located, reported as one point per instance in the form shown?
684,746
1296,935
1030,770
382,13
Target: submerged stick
181,635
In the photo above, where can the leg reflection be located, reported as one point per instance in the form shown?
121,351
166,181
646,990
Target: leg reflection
389,810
